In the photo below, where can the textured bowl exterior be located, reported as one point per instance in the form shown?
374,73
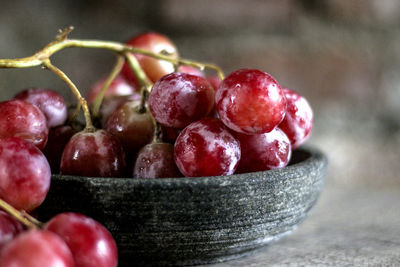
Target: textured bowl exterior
185,221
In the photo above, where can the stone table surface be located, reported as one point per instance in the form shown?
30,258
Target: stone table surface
349,226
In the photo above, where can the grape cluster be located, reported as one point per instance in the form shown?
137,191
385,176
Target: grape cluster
188,123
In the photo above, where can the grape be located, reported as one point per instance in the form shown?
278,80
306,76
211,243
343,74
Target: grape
25,174
118,87
214,81
154,68
261,152
22,119
36,248
250,102
156,160
169,134
191,70
9,228
95,154
178,99
206,148
58,139
110,104
133,128
298,120
90,243
49,102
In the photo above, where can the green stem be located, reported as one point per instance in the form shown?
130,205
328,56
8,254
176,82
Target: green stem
89,125
99,98
17,215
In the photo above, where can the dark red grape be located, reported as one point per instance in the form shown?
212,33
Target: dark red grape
90,242
118,87
206,148
49,102
261,152
156,160
58,139
9,228
154,68
36,248
110,104
169,134
25,174
95,154
178,99
22,119
133,128
250,102
298,120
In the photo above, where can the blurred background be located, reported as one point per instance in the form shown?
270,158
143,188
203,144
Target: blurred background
343,56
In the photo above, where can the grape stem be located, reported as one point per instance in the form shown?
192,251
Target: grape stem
63,42
21,216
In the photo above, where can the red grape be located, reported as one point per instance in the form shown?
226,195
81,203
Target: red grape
110,104
250,102
25,174
49,102
58,139
36,248
133,128
261,152
298,120
214,81
154,68
90,243
22,119
206,148
178,99
9,228
169,134
156,160
96,154
118,87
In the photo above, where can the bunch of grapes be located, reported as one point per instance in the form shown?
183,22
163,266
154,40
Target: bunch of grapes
162,119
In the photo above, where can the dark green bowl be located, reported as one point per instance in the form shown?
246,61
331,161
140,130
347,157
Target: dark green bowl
185,221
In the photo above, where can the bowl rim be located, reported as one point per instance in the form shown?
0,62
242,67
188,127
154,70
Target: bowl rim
316,157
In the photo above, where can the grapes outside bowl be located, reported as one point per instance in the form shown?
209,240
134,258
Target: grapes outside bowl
185,221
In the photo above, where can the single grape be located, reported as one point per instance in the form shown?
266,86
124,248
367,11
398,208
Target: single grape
49,102
214,81
132,127
206,148
9,228
36,248
298,120
95,154
22,119
191,70
110,104
58,139
156,160
250,102
261,152
118,87
25,174
154,68
178,99
90,242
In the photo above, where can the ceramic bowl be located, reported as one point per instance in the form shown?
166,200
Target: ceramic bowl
186,221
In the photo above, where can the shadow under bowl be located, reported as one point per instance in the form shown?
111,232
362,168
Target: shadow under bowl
186,221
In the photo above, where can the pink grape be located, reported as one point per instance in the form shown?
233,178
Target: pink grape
25,174
206,148
250,101
36,248
178,99
9,228
261,152
49,102
90,242
298,120
22,119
